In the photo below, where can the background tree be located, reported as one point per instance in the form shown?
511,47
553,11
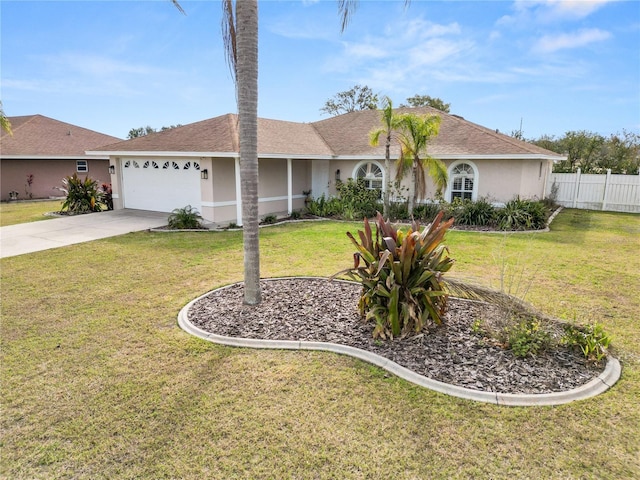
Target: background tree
427,101
142,131
389,121
5,124
357,98
414,134
582,148
621,153
593,153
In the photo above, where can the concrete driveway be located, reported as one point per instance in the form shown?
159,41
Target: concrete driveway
59,232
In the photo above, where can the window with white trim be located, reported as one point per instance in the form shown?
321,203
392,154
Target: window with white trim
462,179
372,175
82,166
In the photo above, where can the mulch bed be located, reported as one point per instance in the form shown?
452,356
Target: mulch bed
313,309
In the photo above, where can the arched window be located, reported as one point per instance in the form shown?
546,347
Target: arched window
462,182
371,173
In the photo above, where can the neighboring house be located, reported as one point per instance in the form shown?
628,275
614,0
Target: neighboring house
49,150
198,164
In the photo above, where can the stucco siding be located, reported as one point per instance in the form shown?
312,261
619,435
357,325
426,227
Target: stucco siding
47,176
273,178
222,177
499,180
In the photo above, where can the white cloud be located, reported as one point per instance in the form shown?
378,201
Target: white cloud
96,65
553,43
570,9
435,51
364,50
546,11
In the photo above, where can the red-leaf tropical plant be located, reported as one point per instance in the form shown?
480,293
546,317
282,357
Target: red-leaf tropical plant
401,275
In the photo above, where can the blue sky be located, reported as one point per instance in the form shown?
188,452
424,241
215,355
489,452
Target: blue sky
114,65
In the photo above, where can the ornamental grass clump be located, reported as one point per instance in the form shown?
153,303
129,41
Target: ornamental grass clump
401,275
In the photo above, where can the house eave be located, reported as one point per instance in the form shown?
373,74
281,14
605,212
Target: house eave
527,156
125,153
87,156
455,156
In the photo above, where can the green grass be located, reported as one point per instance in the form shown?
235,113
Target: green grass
99,382
13,213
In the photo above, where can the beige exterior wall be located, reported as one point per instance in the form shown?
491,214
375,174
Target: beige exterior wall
497,180
273,178
219,191
502,180
47,176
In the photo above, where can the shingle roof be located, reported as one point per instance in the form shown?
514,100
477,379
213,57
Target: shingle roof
220,134
42,136
348,135
343,135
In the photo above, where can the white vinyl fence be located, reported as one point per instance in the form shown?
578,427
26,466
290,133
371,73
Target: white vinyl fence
616,193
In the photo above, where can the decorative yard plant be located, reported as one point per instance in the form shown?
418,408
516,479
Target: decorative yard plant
82,196
185,218
401,275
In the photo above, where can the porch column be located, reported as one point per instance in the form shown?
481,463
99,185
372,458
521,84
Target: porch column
289,186
238,192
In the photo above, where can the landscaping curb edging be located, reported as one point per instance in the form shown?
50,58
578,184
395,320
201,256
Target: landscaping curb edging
598,385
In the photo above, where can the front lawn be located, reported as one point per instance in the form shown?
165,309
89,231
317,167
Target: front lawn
22,212
98,381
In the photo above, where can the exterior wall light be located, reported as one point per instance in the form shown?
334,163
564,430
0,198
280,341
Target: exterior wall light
204,174
338,175
112,169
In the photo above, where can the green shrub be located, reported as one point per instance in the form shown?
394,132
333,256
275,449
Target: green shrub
398,211
426,212
186,218
82,196
528,338
479,213
357,199
402,275
323,207
269,219
592,340
296,215
520,214
538,213
451,210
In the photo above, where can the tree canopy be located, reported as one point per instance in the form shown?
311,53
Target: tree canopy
594,153
427,101
142,131
357,98
414,135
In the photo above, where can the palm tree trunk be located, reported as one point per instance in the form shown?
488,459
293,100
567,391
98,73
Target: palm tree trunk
387,173
412,190
247,88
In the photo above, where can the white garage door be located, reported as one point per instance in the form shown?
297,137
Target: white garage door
160,185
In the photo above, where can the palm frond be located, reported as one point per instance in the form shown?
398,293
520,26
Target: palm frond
514,305
346,8
229,35
178,6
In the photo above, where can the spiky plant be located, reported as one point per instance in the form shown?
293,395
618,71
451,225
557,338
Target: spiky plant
82,196
401,275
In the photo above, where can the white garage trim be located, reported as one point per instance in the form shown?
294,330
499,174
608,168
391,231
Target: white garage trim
160,184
